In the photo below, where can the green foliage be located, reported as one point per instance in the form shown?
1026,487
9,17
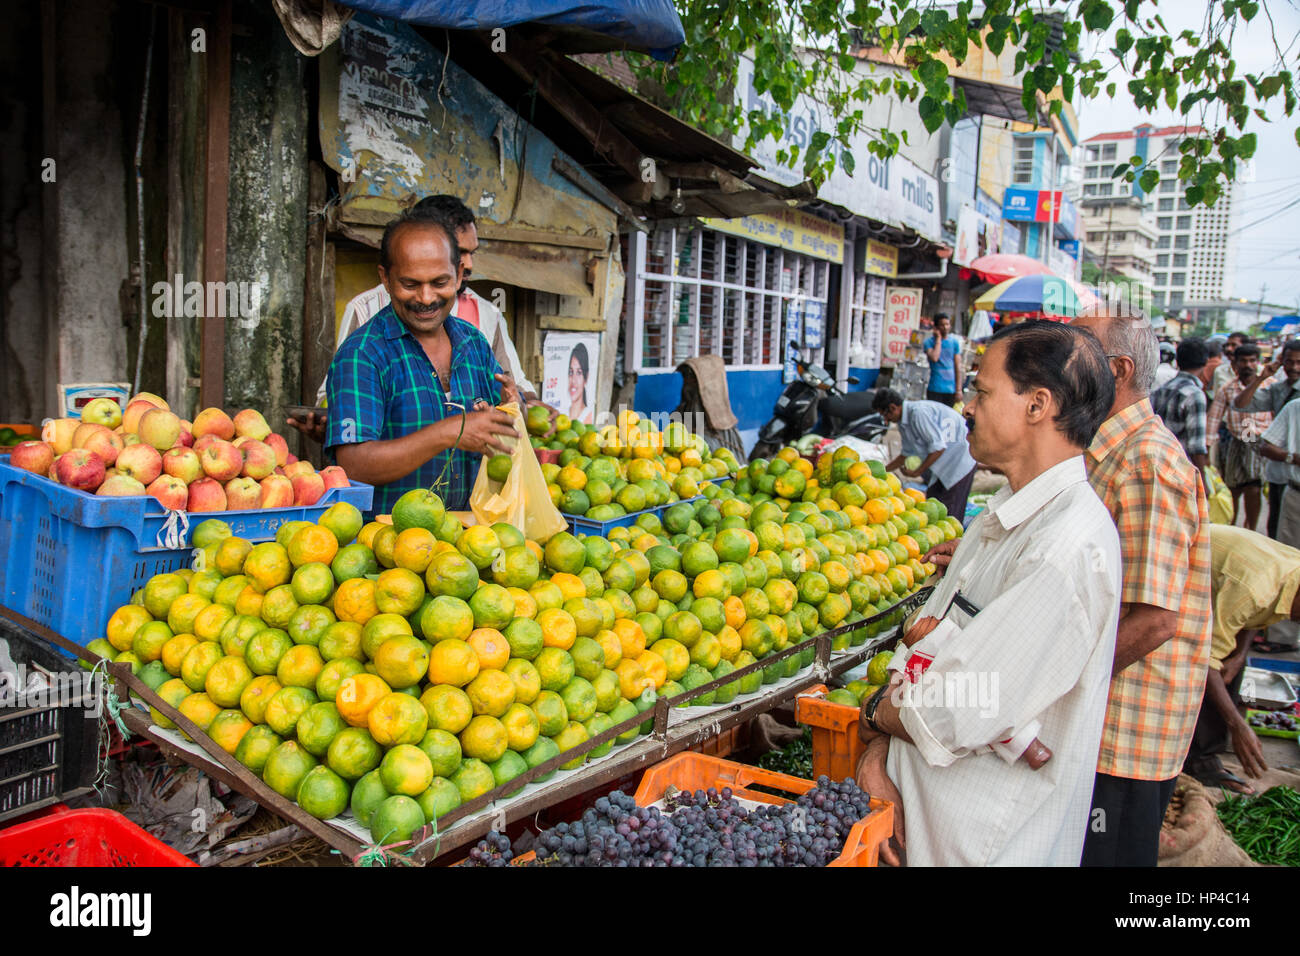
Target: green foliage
814,47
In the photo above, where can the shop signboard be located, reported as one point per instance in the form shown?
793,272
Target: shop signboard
902,318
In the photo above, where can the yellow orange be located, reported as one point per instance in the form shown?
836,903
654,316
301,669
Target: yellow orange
655,667
558,628
631,637
733,609
358,695
355,600
267,565
491,647
312,543
413,549
570,585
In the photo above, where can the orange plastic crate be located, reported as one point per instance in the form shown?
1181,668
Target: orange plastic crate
836,747
692,771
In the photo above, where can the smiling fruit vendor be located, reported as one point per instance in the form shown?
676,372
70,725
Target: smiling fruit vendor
411,392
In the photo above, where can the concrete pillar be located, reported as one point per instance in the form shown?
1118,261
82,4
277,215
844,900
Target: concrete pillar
267,215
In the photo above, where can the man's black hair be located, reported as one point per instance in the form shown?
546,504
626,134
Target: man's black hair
448,208
886,398
1068,362
1246,350
412,220
1192,355
1291,345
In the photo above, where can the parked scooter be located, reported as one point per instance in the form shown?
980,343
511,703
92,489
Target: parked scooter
811,395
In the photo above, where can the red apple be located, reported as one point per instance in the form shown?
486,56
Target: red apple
296,468
171,492
203,441
281,448
34,456
134,412
243,494
187,435
102,411
157,401
277,492
80,469
213,421
259,459
251,423
121,486
141,462
182,463
159,428
222,460
335,477
206,494
106,444
290,458
307,489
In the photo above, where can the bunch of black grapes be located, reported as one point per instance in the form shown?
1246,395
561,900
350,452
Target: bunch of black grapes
704,828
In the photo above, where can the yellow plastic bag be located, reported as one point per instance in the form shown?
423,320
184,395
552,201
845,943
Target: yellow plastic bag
1218,497
522,500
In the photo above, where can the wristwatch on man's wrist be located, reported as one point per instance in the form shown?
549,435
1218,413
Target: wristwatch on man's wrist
872,704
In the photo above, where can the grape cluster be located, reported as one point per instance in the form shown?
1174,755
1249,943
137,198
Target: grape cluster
708,828
492,850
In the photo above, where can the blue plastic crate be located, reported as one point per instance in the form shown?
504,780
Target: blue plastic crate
583,525
68,559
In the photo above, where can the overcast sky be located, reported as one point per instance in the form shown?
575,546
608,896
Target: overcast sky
1268,253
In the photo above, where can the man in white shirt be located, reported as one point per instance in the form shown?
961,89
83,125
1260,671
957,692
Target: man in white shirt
470,306
1280,444
1026,635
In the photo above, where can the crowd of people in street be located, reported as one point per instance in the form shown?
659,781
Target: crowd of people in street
1093,592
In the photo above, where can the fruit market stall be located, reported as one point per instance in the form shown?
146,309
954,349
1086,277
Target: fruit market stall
403,688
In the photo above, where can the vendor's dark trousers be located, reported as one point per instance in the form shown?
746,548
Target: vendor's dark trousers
943,398
954,498
1275,492
1124,823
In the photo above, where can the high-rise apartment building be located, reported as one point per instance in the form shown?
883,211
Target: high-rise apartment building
1192,255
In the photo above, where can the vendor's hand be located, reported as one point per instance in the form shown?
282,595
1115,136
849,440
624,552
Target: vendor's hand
1245,744
940,556
509,391
485,431
910,473
312,426
874,780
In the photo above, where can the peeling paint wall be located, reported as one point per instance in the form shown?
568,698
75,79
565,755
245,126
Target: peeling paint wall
267,214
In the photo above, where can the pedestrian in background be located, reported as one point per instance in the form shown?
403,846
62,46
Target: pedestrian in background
944,353
1237,434
1263,395
1181,404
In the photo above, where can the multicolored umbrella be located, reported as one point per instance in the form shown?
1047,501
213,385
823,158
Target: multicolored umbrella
1047,295
1001,266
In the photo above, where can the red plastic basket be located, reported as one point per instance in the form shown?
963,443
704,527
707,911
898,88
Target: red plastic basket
92,837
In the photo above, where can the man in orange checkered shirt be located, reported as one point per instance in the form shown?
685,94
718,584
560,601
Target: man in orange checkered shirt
1139,470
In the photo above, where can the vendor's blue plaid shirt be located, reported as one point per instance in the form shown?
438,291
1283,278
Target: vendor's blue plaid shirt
1180,402
382,386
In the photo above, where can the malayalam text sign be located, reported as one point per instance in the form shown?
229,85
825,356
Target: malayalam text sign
902,318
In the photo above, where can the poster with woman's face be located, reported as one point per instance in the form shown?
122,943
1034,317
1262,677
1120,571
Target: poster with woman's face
569,373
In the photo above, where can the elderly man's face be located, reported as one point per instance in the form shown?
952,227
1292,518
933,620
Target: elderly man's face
997,412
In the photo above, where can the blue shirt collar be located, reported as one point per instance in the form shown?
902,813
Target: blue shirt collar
394,328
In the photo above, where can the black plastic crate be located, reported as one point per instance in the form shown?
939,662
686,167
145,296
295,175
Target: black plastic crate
49,744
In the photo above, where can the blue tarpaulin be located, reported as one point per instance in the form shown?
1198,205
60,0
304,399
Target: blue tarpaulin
651,25
1280,322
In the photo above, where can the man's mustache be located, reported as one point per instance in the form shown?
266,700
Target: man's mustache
420,308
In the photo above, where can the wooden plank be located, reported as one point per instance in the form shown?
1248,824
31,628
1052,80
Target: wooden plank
216,193
571,323
489,230
318,305
605,138
583,181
